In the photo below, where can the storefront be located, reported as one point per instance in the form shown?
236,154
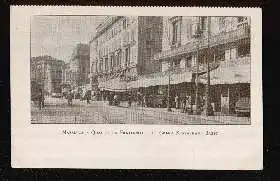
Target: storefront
111,87
155,86
229,83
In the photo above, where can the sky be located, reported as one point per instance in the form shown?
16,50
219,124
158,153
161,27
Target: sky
57,36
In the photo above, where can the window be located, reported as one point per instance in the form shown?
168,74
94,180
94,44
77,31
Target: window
149,34
222,23
112,61
132,35
175,32
106,64
127,56
124,24
119,57
149,52
189,30
101,65
203,23
241,19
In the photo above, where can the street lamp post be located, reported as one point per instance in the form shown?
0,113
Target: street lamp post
196,80
198,35
168,93
208,110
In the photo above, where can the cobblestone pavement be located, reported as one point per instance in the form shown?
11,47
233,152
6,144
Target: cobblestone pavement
57,111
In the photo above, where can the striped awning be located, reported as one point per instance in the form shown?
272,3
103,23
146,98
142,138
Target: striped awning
161,79
229,74
116,85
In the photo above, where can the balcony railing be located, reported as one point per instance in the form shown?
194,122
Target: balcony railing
221,38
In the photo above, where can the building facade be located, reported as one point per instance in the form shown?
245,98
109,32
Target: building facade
47,72
79,66
189,45
123,49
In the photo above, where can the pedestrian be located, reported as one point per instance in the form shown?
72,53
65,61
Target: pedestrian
88,95
176,102
41,99
183,103
70,96
129,100
144,100
187,103
115,100
138,98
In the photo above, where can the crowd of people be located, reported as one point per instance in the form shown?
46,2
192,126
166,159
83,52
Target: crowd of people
145,100
70,95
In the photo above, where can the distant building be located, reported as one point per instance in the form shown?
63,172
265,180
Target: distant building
79,65
122,50
67,75
48,72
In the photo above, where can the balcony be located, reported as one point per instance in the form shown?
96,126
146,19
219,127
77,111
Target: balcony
225,37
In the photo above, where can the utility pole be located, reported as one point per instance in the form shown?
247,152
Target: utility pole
168,93
208,110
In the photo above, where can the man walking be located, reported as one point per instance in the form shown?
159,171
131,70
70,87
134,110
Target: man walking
41,99
70,98
88,96
176,101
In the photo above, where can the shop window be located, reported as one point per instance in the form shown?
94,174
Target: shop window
177,63
243,50
189,62
220,56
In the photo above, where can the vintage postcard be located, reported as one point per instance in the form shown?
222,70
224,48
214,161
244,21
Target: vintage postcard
136,87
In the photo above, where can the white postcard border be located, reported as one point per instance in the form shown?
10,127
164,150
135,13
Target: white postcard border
44,146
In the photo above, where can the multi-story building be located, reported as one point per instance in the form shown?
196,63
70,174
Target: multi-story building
48,72
79,65
122,50
188,45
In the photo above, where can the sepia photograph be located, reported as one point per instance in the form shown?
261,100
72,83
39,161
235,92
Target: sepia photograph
167,70
136,88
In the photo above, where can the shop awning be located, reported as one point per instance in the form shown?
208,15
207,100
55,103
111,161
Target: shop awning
115,85
161,78
229,73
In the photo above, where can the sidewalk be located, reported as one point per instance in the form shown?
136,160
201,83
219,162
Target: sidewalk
178,117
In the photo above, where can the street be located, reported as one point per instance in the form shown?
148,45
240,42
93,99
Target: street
57,111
